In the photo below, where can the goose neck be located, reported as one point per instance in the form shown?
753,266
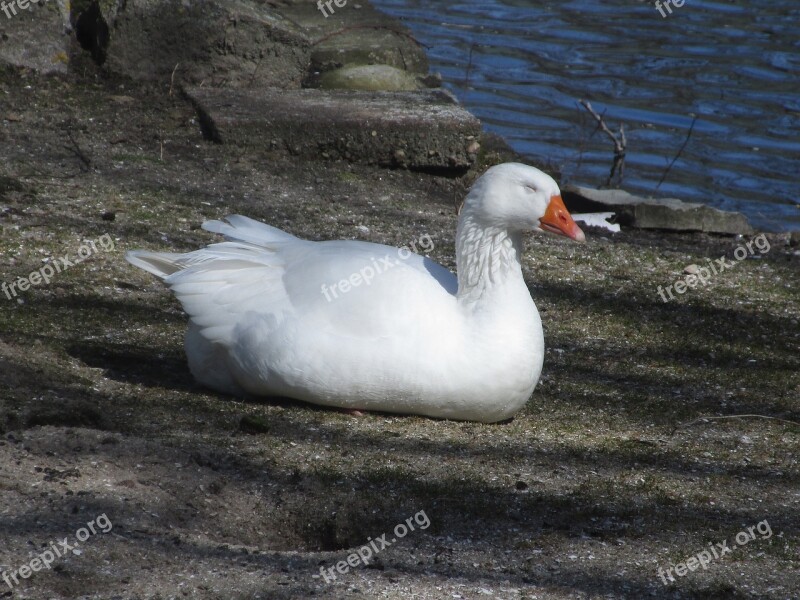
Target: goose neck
487,258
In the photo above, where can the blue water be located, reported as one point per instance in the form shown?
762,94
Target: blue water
522,66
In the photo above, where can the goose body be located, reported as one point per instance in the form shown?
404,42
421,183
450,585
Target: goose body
358,325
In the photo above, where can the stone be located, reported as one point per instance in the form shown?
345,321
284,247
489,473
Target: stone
250,44
231,43
37,38
369,78
691,269
429,127
356,34
650,213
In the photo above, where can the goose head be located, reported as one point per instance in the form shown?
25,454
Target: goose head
519,197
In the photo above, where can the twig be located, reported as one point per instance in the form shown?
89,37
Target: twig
703,419
686,141
253,76
620,142
619,158
78,152
458,200
469,64
582,146
172,79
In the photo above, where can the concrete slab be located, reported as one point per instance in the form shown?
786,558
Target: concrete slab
655,213
419,130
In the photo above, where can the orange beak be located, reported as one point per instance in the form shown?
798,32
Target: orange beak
558,220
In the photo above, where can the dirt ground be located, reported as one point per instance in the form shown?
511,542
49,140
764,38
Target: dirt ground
162,489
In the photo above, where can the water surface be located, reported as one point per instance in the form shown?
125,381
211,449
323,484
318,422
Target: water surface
522,66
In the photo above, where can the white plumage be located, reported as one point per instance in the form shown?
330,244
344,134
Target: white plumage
269,316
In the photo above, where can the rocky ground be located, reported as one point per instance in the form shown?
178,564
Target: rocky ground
606,476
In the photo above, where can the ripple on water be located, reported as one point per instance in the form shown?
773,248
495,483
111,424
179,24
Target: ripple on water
735,67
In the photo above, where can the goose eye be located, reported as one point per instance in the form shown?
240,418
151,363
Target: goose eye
530,189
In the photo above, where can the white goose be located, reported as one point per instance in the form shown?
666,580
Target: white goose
332,323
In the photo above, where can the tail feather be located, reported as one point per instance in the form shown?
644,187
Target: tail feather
160,264
244,229
237,229
219,283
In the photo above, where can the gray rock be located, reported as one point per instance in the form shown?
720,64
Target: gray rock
373,78
37,38
422,130
234,43
656,213
240,43
355,34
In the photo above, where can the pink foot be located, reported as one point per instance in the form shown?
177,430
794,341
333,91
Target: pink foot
353,412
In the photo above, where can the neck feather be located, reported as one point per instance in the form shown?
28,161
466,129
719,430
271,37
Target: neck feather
487,257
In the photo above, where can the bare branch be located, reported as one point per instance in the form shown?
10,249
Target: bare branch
76,149
620,142
172,79
686,141
469,63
